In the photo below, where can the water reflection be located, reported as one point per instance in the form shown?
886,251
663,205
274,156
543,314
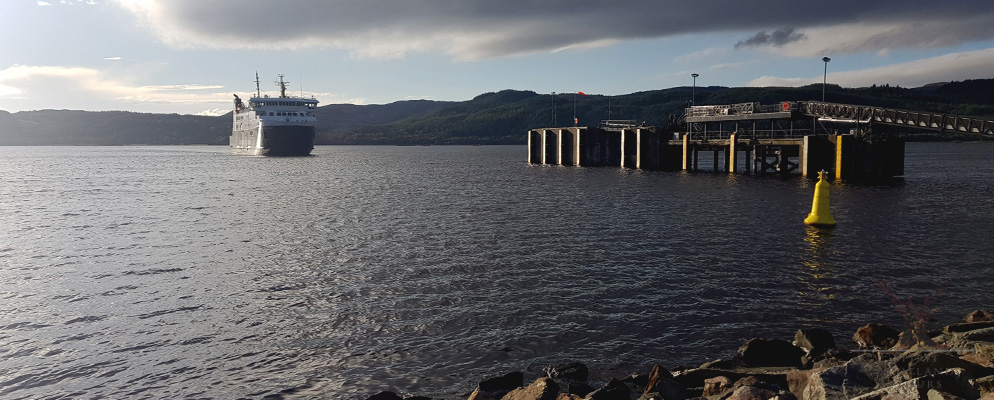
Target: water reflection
817,273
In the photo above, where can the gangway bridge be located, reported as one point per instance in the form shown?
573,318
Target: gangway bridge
851,141
798,118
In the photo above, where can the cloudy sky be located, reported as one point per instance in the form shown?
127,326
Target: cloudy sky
190,56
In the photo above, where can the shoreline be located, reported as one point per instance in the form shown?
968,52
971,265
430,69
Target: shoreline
882,363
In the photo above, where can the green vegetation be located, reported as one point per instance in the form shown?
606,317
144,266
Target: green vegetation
492,118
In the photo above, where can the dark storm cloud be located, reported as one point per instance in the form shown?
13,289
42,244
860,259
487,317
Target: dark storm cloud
779,37
480,29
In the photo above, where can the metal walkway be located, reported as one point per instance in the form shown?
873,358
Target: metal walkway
861,115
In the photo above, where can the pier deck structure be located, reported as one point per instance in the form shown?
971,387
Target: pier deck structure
851,141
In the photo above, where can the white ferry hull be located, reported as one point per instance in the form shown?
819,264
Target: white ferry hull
273,126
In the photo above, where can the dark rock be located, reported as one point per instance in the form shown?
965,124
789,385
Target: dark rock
668,389
954,381
417,398
770,353
658,373
541,389
967,326
385,396
695,377
496,388
716,386
979,316
613,390
578,388
876,335
814,340
575,371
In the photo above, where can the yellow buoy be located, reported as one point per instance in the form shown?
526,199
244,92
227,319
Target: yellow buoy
820,215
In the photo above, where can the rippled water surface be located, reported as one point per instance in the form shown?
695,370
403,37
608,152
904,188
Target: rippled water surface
188,272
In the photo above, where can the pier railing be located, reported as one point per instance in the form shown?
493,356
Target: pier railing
923,120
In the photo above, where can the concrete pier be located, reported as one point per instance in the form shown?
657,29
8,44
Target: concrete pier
654,148
792,137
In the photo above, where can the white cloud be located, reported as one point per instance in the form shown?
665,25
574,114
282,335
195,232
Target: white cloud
86,86
112,58
949,67
44,3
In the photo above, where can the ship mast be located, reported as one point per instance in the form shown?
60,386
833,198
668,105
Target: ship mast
282,86
258,93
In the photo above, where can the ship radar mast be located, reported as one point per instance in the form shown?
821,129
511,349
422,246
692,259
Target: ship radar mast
258,93
282,84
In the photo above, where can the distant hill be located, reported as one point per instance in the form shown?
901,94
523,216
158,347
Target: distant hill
491,118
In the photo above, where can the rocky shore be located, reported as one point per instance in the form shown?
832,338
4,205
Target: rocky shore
956,363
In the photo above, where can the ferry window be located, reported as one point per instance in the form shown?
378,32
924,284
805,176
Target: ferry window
270,113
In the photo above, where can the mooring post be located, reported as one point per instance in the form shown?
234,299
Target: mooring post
730,158
530,148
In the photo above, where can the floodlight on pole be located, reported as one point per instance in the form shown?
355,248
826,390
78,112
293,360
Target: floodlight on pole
824,81
693,90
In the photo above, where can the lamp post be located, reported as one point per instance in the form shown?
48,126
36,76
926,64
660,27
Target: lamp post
693,90
824,81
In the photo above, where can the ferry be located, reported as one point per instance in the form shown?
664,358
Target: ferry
273,126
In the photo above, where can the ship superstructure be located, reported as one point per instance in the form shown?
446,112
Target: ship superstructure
273,126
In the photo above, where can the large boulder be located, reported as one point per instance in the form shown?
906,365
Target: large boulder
916,364
860,375
876,335
613,390
717,385
661,383
541,389
496,388
695,377
814,340
571,377
770,353
797,380
955,382
979,316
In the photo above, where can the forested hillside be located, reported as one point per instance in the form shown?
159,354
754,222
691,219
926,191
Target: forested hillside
492,118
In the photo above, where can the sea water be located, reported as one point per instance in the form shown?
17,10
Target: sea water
189,272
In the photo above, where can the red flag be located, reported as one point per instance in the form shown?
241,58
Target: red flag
582,94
